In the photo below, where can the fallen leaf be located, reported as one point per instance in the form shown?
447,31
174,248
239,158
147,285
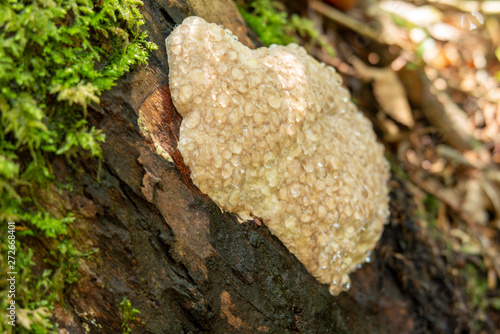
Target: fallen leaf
389,92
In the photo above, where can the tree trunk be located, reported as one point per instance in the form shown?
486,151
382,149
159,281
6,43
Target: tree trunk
189,267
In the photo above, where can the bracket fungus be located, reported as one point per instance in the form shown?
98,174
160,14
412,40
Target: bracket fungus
272,133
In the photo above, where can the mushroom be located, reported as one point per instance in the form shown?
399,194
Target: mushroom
272,133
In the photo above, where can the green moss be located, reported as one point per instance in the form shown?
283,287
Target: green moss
271,26
277,27
128,314
56,58
476,290
431,204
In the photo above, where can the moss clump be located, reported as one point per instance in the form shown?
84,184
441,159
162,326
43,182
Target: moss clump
56,58
273,25
129,315
482,300
270,25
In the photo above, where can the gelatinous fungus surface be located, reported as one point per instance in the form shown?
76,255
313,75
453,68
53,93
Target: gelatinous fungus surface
272,133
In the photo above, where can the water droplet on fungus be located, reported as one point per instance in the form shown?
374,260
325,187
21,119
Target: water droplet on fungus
216,31
273,99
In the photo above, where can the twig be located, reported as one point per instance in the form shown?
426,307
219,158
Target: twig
444,114
348,22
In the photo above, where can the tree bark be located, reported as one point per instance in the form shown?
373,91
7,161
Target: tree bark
187,266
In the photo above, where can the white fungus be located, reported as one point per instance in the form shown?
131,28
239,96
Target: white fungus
272,133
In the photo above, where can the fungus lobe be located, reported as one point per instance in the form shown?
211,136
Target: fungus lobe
272,133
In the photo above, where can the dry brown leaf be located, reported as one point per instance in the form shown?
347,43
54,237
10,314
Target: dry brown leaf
389,92
475,201
469,244
391,95
493,27
493,193
389,127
